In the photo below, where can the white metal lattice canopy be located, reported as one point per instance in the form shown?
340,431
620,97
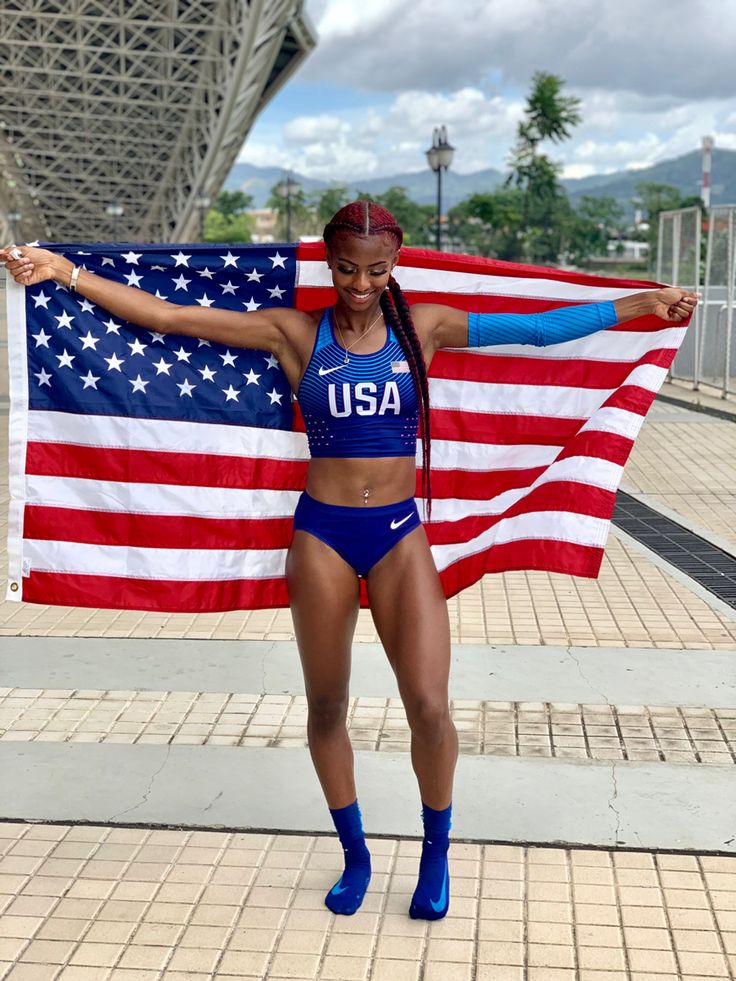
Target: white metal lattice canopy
145,103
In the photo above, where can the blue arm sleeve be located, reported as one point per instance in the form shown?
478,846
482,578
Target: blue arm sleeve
540,329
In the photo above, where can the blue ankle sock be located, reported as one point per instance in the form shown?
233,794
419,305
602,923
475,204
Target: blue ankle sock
348,892
431,898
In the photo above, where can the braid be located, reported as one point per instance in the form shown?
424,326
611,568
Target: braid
369,218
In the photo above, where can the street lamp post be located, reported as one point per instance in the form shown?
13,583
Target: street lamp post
439,158
203,203
288,188
13,218
115,211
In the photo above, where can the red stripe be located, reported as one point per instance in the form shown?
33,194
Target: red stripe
563,372
166,596
151,467
153,530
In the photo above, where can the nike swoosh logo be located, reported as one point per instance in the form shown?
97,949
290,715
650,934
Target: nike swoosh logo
397,524
336,890
437,906
326,371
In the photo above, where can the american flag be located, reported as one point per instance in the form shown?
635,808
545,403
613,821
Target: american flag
157,472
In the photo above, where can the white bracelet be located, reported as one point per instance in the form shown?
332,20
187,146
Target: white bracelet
74,277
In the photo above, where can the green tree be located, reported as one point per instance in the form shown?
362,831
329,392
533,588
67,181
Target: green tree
594,222
329,201
549,115
227,220
490,223
415,219
656,198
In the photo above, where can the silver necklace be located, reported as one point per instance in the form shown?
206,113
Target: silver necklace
342,339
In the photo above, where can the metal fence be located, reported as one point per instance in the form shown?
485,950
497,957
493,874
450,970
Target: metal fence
708,352
679,263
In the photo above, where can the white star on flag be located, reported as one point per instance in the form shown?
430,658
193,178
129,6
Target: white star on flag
185,388
65,320
138,384
251,305
181,283
86,306
43,377
133,278
113,363
271,361
89,341
181,259
207,373
278,260
182,355
255,276
228,358
90,380
275,396
230,260
65,359
207,273
228,288
231,394
41,300
162,366
156,338
252,377
132,257
136,347
41,338
112,327
277,292
205,301
108,261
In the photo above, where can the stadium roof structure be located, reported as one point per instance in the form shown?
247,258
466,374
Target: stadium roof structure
139,103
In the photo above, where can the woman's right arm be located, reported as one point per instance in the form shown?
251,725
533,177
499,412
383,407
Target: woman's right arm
266,330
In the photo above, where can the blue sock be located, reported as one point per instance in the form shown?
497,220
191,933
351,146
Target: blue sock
348,892
431,898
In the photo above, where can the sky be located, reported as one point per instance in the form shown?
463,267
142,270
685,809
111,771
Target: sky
654,76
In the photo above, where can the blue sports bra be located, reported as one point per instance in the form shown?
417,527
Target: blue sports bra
366,408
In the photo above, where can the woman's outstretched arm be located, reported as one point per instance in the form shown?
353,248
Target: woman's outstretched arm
449,327
263,329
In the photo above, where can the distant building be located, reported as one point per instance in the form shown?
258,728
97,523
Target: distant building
123,121
266,224
627,250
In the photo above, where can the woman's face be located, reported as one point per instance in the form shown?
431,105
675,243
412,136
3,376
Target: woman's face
361,266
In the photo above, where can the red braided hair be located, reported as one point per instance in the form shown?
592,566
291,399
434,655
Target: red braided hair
369,218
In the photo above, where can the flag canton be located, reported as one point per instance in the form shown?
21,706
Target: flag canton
82,359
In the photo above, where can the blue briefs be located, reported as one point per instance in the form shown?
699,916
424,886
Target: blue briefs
361,536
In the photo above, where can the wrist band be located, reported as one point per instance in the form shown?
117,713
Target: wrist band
74,277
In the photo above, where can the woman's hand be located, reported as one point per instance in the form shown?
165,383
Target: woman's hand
673,304
34,266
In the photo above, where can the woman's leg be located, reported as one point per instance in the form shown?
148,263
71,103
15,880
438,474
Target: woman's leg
324,599
410,613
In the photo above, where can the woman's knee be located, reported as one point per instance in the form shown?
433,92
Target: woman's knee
327,712
427,715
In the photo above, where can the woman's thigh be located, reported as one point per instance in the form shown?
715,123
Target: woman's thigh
324,598
410,613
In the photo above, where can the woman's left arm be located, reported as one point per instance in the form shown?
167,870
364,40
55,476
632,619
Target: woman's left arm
449,327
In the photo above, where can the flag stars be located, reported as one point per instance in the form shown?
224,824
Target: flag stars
89,341
133,278
275,397
254,276
205,301
231,394
181,259
251,378
112,327
207,273
278,260
271,362
185,388
132,257
41,300
276,292
182,355
65,359
181,283
228,358
43,378
207,373
156,338
138,384
136,347
113,363
229,260
41,338
160,295
108,261
251,305
162,367
227,288
65,320
86,306
89,380
202,343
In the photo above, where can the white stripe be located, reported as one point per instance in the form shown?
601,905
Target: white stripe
414,278
587,470
454,454
612,420
563,526
17,426
558,401
129,562
166,436
603,345
158,499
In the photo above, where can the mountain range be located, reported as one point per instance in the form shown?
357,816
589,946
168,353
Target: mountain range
682,172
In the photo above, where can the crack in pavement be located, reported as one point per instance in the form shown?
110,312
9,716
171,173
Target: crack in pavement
614,797
148,789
